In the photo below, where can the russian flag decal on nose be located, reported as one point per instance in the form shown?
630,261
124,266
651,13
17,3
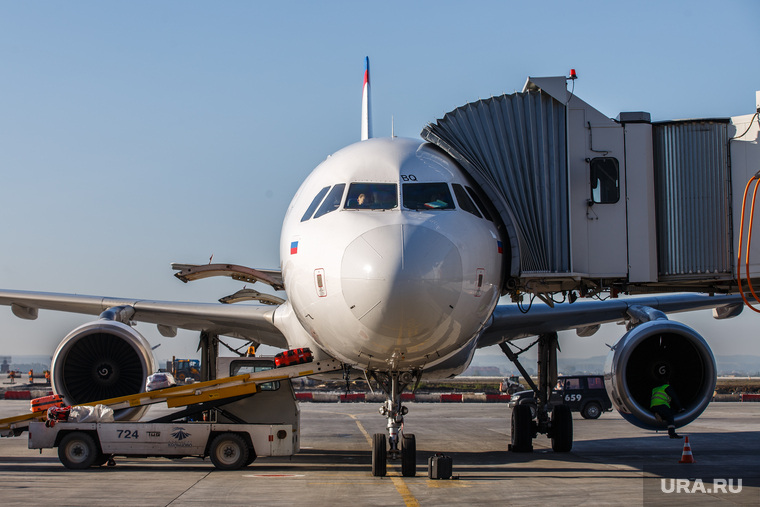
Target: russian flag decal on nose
498,245
293,247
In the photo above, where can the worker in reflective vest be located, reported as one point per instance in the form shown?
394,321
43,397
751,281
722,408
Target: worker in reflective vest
662,397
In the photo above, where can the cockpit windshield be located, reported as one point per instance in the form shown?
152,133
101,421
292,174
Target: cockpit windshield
377,196
427,196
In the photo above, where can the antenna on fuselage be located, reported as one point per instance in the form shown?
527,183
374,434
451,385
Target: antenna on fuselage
366,106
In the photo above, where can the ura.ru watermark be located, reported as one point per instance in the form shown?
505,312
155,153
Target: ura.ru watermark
696,486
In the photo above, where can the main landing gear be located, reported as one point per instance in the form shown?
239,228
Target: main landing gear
398,445
558,426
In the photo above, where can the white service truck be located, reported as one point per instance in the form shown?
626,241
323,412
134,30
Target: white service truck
232,431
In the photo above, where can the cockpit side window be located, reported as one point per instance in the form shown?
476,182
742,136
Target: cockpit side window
427,196
480,204
314,204
372,196
464,200
332,201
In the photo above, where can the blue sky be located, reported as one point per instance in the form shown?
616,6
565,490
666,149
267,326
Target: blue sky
136,134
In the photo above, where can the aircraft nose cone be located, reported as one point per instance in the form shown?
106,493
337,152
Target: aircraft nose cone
402,280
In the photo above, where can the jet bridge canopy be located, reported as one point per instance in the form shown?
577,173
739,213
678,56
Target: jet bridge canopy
595,204
514,146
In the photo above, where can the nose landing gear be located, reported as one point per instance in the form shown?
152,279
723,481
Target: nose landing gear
399,445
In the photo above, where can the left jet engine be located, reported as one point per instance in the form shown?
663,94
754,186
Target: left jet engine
654,353
100,360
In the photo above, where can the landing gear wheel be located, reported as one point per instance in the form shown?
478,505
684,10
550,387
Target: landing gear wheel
228,451
592,410
78,450
379,455
562,429
408,456
522,429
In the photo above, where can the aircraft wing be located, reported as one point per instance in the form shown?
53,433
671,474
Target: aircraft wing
509,323
253,322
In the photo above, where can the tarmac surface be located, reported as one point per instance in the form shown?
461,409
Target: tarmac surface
612,463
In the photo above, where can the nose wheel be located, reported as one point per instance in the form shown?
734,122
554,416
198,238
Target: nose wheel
397,445
379,455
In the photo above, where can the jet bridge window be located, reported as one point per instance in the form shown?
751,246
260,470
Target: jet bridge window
245,367
605,180
332,201
372,196
314,204
427,196
464,200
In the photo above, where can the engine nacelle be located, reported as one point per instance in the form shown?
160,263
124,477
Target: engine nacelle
655,353
100,360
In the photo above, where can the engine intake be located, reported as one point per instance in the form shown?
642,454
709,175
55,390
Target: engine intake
100,360
655,353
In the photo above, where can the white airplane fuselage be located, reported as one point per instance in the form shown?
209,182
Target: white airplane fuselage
383,266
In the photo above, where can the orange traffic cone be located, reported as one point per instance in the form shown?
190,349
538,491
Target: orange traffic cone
687,457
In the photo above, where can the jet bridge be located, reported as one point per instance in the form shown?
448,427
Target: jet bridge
590,204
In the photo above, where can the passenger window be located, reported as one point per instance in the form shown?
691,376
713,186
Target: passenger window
332,201
372,196
245,367
464,201
314,204
605,180
595,383
427,196
479,202
573,383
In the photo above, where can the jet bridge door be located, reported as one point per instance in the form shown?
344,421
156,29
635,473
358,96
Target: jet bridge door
597,194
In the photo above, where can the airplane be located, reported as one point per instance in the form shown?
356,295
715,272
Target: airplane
392,263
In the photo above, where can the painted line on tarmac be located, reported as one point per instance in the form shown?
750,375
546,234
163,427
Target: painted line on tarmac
273,476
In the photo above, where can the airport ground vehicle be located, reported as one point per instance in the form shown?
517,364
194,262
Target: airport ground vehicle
581,393
511,385
184,369
230,446
249,411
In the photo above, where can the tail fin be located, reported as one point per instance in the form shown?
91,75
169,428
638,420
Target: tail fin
366,106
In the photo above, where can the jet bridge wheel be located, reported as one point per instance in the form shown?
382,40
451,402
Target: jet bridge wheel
379,455
78,450
562,429
408,456
228,451
522,429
